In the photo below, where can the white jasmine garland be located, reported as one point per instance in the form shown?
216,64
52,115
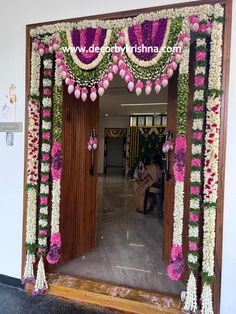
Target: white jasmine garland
46,82
46,125
194,203
56,192
192,258
196,175
211,161
32,166
193,231
44,189
198,124
47,63
45,167
46,148
178,213
47,102
199,10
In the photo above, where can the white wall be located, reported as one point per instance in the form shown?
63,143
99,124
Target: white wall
12,65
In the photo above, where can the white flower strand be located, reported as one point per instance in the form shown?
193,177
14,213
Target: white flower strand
29,268
207,302
199,10
56,192
179,186
212,151
190,303
41,282
32,165
178,213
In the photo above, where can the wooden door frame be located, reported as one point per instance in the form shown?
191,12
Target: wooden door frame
225,77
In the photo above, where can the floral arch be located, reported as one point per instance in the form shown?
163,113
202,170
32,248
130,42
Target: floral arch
61,52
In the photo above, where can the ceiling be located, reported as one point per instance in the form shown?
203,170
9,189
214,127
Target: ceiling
118,93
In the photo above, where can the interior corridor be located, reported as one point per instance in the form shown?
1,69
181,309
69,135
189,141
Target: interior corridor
129,244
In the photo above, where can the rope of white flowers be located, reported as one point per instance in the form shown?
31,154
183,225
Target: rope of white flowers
176,265
197,158
46,126
212,139
32,165
206,9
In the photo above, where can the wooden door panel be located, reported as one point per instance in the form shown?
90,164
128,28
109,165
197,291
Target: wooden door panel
78,193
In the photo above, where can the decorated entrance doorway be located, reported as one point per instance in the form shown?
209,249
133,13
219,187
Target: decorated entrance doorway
129,244
52,131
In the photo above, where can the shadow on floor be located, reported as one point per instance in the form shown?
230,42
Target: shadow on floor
17,301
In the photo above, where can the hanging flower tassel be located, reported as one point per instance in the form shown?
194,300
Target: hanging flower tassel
41,282
131,84
164,80
157,86
28,276
93,94
207,307
53,255
190,303
148,87
77,91
138,87
105,81
84,94
110,74
101,89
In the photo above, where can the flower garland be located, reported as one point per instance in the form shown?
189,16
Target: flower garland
196,161
212,139
184,12
105,43
32,166
53,255
176,265
41,283
138,36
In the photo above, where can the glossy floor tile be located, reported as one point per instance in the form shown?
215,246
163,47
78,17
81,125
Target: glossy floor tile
129,244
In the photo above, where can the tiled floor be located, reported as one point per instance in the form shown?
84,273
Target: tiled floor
129,244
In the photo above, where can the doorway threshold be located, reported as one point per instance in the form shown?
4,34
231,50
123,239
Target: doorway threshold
111,296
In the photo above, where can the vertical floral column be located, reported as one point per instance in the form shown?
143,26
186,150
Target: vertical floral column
56,168
212,139
32,166
176,265
41,283
199,106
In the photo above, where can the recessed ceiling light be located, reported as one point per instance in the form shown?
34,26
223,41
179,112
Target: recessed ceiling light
106,114
147,104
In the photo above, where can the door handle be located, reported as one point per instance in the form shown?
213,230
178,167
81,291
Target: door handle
167,148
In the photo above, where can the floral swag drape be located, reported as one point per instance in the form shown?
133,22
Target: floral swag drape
61,52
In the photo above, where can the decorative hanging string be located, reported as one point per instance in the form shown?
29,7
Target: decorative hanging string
41,283
176,265
53,255
197,159
32,166
212,141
